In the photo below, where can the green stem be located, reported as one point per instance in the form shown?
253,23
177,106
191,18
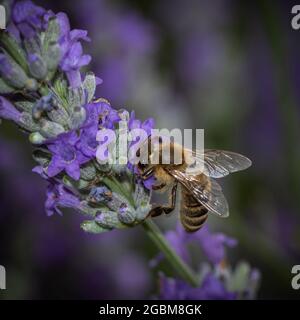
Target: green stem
177,263
158,239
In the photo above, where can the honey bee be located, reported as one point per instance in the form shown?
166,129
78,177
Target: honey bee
200,193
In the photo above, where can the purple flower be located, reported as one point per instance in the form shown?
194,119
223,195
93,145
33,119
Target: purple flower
87,143
108,116
67,36
40,171
212,244
59,196
211,288
8,111
72,62
134,123
72,58
28,18
66,156
147,125
101,113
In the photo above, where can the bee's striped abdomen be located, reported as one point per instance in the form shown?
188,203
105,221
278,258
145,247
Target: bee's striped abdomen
192,213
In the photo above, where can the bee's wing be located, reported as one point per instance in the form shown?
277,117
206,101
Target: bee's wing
219,163
213,199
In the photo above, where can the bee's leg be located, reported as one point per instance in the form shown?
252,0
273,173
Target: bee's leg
158,187
159,210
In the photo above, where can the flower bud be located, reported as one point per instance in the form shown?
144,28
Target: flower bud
50,129
31,84
100,194
8,111
108,219
42,105
142,212
36,138
37,66
12,73
92,226
125,215
77,118
5,88
88,172
14,50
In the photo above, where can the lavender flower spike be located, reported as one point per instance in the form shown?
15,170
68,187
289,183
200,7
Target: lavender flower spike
54,103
